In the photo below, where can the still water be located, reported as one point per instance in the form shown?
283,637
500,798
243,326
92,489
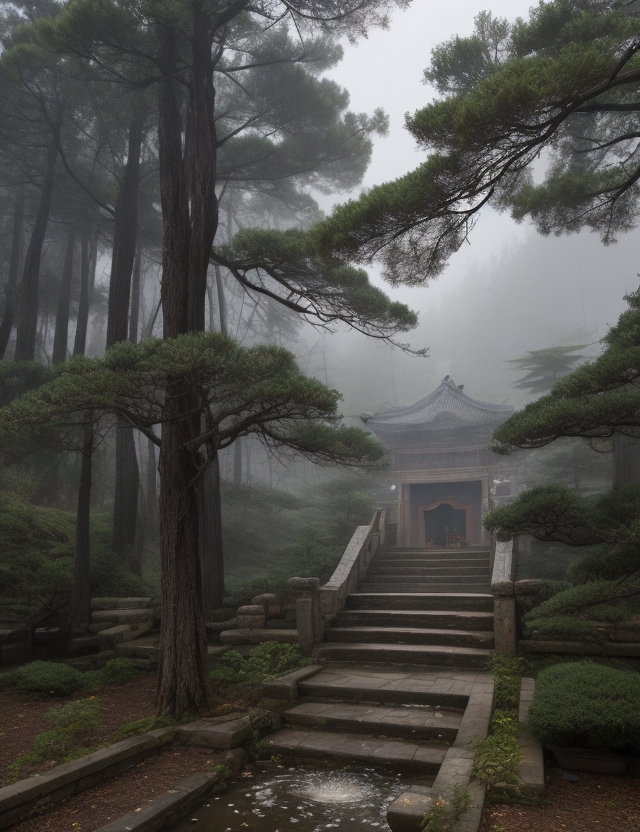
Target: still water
279,798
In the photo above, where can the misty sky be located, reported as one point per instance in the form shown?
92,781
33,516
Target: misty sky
508,291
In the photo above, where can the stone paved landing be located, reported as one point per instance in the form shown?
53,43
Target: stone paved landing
421,722
400,754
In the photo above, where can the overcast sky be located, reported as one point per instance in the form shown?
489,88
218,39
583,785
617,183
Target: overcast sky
568,285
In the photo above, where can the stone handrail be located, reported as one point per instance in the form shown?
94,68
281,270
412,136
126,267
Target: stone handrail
504,601
319,604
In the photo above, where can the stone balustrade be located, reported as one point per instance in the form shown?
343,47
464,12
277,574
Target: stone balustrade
319,604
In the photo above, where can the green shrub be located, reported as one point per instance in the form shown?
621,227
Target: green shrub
507,671
612,613
583,596
606,563
75,724
141,726
548,589
498,756
48,678
265,662
115,672
586,704
563,628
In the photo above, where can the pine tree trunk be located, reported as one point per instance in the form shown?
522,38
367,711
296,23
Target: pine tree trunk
211,561
134,317
17,242
80,609
152,487
626,461
88,260
61,335
28,325
125,505
222,303
183,683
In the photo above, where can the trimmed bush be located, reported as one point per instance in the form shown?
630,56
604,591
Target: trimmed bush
115,672
48,678
587,705
563,628
583,596
265,662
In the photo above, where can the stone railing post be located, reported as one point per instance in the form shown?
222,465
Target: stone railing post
309,618
504,599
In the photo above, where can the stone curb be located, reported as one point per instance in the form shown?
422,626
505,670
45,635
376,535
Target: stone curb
532,768
166,808
286,687
21,798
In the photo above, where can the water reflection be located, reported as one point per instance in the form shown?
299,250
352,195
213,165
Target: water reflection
311,800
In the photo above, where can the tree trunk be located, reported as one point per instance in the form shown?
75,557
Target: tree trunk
626,461
125,505
183,683
237,463
222,302
211,561
189,212
152,487
61,335
134,316
125,235
28,325
12,278
80,609
88,260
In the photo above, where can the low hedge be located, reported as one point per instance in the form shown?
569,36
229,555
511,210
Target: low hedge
583,704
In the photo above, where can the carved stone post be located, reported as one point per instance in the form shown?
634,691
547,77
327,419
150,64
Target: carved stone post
504,617
309,618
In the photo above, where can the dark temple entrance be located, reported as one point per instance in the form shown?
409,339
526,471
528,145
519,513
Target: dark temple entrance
444,521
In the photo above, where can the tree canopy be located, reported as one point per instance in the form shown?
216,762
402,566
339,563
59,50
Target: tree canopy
542,368
562,85
257,390
598,400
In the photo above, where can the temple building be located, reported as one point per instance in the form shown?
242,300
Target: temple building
442,467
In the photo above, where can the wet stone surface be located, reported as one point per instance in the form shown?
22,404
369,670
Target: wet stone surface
280,798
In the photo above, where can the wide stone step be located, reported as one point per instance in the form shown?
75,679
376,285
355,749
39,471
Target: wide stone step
425,587
437,573
402,755
419,723
401,576
434,554
386,686
405,654
121,616
430,563
437,619
410,635
416,600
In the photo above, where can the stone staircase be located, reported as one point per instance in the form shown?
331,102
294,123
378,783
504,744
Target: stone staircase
423,607
405,654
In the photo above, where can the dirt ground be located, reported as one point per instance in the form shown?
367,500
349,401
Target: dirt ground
593,802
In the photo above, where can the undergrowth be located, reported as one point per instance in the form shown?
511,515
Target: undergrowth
265,662
498,756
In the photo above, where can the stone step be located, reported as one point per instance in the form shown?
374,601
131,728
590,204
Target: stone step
438,619
418,723
443,576
121,616
447,689
401,576
405,654
429,563
416,600
401,755
140,648
424,587
434,554
410,635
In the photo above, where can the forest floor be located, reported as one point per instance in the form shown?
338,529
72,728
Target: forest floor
593,802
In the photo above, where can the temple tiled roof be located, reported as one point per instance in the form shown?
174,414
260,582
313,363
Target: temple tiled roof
446,408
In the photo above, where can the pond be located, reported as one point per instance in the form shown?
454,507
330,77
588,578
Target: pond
277,796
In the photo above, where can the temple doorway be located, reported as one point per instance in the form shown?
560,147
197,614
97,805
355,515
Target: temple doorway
443,522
